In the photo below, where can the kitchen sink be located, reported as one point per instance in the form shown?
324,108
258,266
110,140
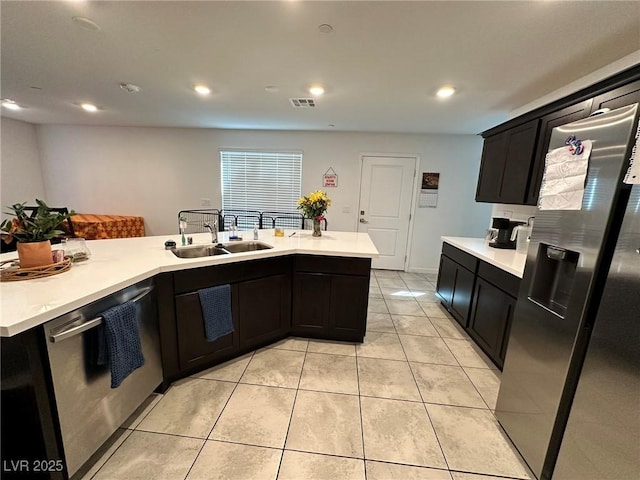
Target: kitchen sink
245,247
199,251
219,249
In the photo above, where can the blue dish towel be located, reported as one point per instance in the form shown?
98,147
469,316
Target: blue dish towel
216,311
119,343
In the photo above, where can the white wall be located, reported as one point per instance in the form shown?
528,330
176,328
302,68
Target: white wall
20,172
155,172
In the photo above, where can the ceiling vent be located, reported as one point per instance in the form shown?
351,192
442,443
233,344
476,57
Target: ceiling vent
303,102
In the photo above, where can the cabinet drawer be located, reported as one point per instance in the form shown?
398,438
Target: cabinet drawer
339,265
510,284
465,259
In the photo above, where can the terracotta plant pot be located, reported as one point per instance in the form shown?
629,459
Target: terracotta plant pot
34,254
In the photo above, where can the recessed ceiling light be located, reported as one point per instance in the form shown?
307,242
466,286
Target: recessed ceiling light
446,91
316,90
10,104
202,89
325,28
89,107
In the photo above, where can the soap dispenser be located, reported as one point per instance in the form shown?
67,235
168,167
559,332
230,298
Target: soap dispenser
233,235
255,231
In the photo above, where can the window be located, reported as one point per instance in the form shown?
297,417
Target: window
263,181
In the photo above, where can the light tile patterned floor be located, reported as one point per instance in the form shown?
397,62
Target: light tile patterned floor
414,401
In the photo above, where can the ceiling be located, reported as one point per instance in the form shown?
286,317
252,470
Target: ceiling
380,66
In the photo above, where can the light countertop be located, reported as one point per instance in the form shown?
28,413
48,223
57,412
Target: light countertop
118,263
508,260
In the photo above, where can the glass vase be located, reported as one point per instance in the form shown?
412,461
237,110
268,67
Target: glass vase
317,232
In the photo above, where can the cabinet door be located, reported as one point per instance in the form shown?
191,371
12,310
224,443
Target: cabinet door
311,294
618,97
520,151
446,279
193,347
264,309
461,296
348,307
491,168
548,123
490,318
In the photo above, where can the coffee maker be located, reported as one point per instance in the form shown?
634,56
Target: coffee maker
505,228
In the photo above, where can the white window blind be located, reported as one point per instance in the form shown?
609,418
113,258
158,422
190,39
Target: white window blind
264,181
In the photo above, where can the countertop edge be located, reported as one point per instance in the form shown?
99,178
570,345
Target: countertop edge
507,260
166,267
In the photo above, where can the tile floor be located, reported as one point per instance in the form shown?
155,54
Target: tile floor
414,401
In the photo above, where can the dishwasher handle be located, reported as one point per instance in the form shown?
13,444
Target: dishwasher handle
73,331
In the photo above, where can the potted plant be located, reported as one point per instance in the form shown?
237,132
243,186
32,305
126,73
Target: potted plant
314,207
33,232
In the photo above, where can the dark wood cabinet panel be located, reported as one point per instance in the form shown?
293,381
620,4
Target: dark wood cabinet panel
618,97
264,309
446,279
461,298
330,305
455,283
193,347
310,315
491,168
548,123
506,164
490,319
348,310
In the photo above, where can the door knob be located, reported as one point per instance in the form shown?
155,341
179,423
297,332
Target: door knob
362,220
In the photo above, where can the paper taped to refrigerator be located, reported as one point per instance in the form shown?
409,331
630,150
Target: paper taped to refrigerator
564,178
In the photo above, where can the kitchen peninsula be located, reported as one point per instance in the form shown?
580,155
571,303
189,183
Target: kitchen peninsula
303,285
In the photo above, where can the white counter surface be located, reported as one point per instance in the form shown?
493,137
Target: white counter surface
118,263
507,260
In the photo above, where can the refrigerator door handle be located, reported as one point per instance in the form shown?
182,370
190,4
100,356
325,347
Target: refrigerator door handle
600,112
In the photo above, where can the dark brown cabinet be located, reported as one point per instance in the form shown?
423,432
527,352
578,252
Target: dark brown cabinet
513,154
193,347
506,163
310,295
494,300
456,278
264,309
330,297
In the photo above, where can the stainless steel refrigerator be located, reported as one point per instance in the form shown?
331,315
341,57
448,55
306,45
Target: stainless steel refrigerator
571,334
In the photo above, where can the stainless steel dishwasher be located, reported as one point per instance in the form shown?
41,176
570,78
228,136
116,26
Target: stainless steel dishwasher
89,410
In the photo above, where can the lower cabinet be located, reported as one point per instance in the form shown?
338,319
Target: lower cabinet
193,347
331,297
491,318
307,295
456,278
481,297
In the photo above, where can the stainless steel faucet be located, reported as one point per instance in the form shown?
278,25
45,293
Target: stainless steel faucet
213,230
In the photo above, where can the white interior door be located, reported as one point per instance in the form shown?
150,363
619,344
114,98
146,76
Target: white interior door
386,193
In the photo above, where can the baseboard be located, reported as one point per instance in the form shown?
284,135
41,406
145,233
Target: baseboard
422,270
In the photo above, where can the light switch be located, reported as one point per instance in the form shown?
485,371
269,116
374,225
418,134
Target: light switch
346,209
205,202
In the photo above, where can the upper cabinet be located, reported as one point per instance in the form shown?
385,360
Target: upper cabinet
514,153
506,161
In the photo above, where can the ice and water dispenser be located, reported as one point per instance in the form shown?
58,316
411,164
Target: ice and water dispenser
553,278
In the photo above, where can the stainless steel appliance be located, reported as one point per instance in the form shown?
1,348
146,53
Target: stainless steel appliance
602,437
568,260
89,410
505,229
